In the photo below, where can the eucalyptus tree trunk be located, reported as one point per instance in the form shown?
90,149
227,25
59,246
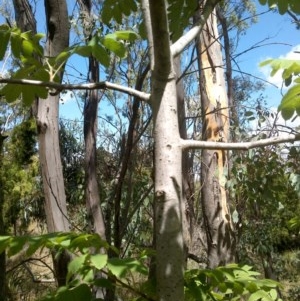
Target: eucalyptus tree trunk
214,169
168,154
3,293
92,195
48,130
47,114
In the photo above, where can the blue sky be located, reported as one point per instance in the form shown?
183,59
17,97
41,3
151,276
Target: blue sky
277,36
276,31
281,39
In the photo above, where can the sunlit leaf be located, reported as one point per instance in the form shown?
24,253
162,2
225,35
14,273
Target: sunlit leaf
16,43
101,55
27,48
290,102
98,261
128,35
76,264
110,42
84,51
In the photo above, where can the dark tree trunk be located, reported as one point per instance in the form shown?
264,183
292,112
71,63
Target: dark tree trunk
3,294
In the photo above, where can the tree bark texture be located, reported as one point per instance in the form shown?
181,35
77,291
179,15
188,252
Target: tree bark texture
48,128
214,169
3,293
47,123
168,154
92,195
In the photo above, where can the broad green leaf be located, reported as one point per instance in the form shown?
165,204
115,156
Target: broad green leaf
81,292
27,48
4,38
110,42
63,57
11,92
76,264
17,244
282,6
34,243
290,102
259,295
98,261
273,294
16,43
28,94
4,242
128,35
84,51
120,267
295,6
102,282
101,55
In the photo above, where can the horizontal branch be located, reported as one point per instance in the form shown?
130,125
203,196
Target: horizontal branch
194,144
88,86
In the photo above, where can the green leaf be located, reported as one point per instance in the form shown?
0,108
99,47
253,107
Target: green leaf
34,243
76,265
295,6
17,244
81,292
258,295
28,94
102,282
27,48
120,267
128,35
11,92
101,55
4,38
4,243
16,42
290,102
84,51
98,261
282,6
110,42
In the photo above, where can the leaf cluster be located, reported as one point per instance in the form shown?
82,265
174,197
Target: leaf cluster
290,102
283,5
229,283
26,49
223,283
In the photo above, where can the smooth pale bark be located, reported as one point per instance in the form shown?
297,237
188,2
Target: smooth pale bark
214,169
48,127
168,179
46,112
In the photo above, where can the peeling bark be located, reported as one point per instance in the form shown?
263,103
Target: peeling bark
214,169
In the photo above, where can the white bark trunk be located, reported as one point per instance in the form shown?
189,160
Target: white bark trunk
168,154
